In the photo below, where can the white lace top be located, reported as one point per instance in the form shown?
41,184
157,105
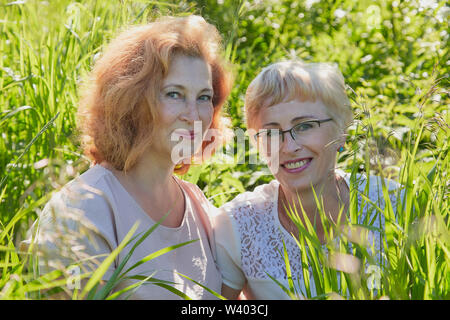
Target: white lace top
249,238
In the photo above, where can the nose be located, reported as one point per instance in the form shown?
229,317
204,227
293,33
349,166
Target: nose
289,144
191,112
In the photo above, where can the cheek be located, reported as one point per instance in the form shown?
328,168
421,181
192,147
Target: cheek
206,115
168,114
327,151
329,141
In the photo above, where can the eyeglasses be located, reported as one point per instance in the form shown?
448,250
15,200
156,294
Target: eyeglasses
299,131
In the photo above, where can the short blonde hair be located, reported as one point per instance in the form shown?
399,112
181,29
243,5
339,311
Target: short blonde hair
118,111
294,79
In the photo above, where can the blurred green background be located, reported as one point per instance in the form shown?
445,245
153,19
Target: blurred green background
393,54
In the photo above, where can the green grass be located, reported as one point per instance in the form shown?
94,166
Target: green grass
395,60
414,259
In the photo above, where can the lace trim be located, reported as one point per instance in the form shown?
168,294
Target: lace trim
262,236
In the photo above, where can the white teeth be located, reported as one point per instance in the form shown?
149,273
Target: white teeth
295,165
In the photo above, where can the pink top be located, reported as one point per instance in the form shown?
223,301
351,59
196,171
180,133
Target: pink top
99,206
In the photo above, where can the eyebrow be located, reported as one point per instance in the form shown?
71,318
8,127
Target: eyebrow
182,87
292,121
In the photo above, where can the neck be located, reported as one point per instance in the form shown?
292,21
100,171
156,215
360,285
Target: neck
150,182
151,174
150,178
327,192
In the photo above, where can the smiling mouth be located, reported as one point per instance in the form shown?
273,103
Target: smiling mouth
296,165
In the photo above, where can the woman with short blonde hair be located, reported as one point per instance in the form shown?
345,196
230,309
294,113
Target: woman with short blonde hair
299,113
289,80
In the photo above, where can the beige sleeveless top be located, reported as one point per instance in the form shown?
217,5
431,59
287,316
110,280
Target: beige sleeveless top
91,216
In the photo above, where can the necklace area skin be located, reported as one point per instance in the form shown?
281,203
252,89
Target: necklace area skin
176,213
286,221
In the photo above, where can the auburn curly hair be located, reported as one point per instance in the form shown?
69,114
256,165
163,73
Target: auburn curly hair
118,106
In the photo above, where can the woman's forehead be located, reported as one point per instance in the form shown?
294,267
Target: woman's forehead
285,112
187,69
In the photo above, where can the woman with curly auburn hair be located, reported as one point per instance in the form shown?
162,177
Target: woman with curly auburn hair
145,93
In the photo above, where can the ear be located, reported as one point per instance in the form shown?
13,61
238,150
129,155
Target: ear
251,135
342,137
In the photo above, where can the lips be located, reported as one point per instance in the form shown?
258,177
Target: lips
186,134
296,165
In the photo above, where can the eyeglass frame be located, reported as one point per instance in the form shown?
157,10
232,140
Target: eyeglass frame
291,131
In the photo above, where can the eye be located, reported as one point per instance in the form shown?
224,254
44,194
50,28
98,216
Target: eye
174,95
205,98
305,126
272,132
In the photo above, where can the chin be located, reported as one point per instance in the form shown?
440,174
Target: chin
299,184
181,152
297,187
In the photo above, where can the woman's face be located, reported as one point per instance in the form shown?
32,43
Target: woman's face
186,108
311,157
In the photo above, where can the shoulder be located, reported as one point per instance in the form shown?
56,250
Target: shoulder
371,185
197,197
92,188
194,191
84,201
255,198
377,189
76,226
77,217
250,203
